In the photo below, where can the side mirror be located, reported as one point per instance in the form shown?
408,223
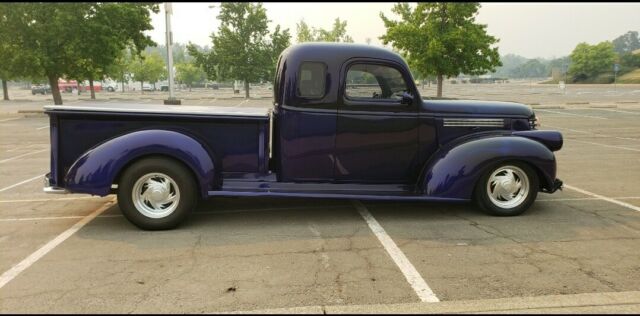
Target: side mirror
407,98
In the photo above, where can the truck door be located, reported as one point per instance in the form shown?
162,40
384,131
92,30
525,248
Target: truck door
377,125
304,130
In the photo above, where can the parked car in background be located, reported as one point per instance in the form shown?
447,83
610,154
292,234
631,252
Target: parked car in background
109,86
147,87
40,89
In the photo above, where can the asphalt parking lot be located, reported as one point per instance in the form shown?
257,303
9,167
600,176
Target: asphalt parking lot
575,250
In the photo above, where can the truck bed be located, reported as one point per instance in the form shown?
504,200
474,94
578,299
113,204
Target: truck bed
222,111
237,138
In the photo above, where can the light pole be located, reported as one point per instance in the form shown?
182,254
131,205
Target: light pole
168,11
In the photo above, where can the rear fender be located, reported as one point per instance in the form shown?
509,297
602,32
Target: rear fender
454,170
97,169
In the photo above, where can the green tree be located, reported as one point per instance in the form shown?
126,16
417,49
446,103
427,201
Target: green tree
442,39
150,68
588,61
338,33
533,68
74,39
626,43
189,73
242,48
304,32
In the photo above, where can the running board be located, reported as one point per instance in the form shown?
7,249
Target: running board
325,190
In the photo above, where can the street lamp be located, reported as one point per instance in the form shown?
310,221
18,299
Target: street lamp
169,40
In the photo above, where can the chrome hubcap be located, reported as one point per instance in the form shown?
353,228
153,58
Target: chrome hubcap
508,187
156,195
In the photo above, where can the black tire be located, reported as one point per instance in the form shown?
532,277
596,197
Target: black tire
484,201
183,180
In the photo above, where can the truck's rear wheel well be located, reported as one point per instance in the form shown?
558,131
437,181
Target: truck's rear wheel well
118,176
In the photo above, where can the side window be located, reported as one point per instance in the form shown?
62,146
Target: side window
370,81
312,80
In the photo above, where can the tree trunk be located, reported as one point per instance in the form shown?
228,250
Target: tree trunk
154,86
246,89
123,83
141,90
55,90
440,79
93,93
5,91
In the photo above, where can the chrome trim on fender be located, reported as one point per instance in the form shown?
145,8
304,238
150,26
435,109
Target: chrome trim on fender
472,122
51,189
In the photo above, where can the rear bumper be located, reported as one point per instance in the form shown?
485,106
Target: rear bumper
48,188
557,185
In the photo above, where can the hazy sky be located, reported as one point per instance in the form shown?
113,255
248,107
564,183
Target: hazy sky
529,29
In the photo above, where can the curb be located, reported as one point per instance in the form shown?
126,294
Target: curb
620,302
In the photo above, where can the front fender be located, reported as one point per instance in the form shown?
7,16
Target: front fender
454,170
95,170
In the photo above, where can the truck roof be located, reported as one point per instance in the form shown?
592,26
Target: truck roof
338,52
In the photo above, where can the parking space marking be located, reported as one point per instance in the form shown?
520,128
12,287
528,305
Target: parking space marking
412,275
21,183
42,127
605,145
17,219
573,114
23,155
10,119
243,102
10,274
592,133
602,197
611,110
588,199
46,200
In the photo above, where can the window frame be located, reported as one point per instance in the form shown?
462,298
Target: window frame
324,80
352,101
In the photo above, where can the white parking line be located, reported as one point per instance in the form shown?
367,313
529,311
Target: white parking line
592,133
21,183
243,102
23,155
42,127
602,197
412,275
53,199
10,119
18,219
612,110
573,114
588,199
10,274
605,145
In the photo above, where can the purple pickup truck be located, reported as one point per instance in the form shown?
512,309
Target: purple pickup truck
347,122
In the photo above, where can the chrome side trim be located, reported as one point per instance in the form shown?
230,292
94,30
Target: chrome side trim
55,190
51,189
461,122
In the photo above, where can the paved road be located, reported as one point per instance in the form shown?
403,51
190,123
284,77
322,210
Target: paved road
579,245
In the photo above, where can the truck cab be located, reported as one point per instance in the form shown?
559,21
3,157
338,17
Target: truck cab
347,121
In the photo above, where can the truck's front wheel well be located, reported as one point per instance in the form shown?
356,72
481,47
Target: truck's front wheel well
542,180
117,178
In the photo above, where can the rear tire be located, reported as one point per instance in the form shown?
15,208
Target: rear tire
157,193
507,189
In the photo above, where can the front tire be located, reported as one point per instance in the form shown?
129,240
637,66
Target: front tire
507,189
157,193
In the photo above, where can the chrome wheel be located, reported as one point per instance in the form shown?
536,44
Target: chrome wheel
155,195
508,187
